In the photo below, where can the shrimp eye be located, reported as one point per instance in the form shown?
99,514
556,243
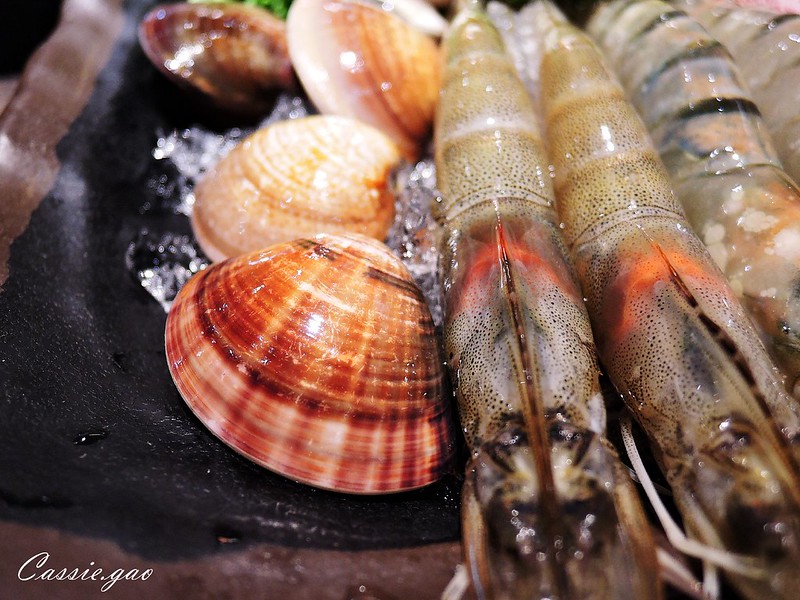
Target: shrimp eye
732,448
568,435
571,440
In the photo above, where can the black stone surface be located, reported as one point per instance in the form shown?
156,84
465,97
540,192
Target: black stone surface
24,24
94,438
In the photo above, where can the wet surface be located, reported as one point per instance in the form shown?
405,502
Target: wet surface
94,438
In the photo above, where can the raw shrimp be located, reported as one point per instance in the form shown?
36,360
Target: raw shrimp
766,47
549,512
669,330
723,168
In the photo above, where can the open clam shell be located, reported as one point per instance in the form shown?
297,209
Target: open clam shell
357,60
234,53
316,359
297,178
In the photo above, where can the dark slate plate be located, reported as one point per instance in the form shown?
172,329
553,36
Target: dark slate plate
94,438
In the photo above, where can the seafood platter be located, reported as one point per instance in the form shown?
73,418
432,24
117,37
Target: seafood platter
360,299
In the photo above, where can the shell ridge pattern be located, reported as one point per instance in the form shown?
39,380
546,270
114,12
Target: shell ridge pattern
344,398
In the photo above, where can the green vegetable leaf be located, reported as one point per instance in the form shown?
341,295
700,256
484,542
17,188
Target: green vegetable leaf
279,8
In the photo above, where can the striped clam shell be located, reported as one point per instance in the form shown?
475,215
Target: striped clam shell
297,178
357,60
233,53
317,359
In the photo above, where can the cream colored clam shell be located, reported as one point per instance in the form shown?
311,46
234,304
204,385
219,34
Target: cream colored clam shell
297,178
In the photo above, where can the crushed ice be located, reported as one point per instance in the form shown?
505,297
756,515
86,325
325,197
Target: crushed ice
188,154
163,263
414,233
288,107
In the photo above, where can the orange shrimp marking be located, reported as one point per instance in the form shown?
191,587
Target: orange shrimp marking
637,278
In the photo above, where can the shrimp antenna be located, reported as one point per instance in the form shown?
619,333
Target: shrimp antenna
458,585
710,581
533,410
677,574
736,563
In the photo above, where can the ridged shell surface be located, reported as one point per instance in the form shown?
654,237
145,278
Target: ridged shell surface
360,61
320,174
235,54
317,359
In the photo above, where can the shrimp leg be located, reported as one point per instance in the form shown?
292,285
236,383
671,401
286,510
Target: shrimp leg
671,334
548,509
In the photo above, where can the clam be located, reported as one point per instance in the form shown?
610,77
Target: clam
234,53
357,60
296,178
317,359
420,14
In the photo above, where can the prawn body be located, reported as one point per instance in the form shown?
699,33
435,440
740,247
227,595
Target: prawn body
725,172
548,509
766,47
671,334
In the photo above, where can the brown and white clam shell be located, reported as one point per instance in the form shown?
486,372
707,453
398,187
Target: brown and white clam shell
297,178
317,359
234,53
357,60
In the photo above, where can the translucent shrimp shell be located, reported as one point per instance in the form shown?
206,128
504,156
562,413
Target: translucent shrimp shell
726,174
549,512
670,331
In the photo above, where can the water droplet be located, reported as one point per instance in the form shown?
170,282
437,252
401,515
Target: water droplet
90,437
361,593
